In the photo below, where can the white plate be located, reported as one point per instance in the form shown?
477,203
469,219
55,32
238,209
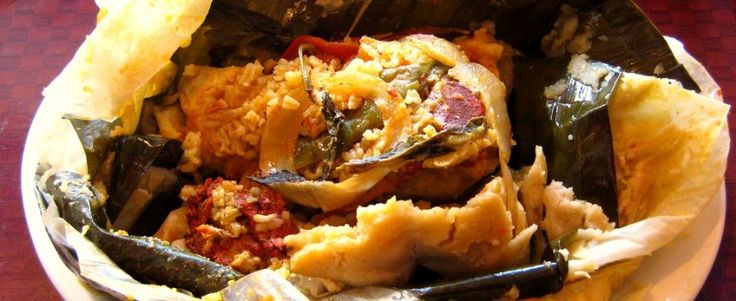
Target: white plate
67,283
675,272
678,271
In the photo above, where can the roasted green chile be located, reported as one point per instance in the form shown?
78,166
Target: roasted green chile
349,131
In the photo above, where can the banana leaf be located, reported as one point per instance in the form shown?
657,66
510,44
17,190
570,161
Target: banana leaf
531,281
573,128
95,136
622,35
238,32
140,172
145,258
232,35
161,200
626,38
140,168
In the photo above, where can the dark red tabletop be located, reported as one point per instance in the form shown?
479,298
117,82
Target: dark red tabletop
38,38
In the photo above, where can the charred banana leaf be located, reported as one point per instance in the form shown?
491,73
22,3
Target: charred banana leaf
145,258
234,35
571,124
531,281
157,195
384,16
415,149
140,172
95,136
621,34
236,32
625,37
628,38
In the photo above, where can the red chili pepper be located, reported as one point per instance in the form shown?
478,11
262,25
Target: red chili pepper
341,50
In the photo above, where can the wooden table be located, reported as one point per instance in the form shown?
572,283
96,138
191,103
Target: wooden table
38,38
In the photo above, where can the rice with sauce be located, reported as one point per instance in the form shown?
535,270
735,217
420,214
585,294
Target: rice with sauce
222,118
222,111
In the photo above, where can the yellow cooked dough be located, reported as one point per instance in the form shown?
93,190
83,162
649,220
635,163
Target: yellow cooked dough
670,148
563,213
531,187
390,239
125,59
132,42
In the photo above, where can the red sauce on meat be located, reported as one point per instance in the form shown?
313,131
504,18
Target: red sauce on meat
264,244
457,105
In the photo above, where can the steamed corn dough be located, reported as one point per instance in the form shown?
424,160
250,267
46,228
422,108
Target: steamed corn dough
124,60
562,212
657,126
670,147
390,239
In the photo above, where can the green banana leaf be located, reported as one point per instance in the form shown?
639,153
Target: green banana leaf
145,258
95,136
573,128
622,35
142,167
135,157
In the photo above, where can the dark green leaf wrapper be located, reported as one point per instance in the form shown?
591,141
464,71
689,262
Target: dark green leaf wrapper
144,258
631,42
95,136
531,281
134,155
573,129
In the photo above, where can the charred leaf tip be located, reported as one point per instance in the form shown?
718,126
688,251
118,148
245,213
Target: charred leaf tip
278,177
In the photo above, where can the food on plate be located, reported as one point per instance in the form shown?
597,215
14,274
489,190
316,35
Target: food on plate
250,224
389,239
388,158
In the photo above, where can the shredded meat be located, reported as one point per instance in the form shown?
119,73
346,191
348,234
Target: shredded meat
213,238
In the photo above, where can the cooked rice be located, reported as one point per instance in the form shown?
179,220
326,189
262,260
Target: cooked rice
225,108
225,210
